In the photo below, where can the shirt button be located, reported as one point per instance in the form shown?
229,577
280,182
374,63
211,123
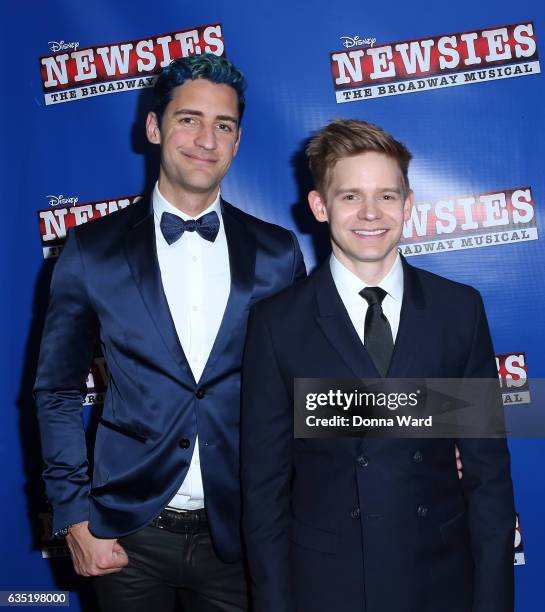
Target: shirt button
355,514
418,457
194,309
363,461
199,393
184,443
422,511
194,258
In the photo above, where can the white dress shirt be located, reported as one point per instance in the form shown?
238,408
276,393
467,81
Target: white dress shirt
196,280
349,285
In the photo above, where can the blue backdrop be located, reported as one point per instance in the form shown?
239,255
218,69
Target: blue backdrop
479,138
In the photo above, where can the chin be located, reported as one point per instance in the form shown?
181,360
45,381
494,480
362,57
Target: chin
201,187
371,256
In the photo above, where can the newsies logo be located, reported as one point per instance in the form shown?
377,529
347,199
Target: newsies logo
435,62
82,73
469,222
97,382
55,222
519,544
513,375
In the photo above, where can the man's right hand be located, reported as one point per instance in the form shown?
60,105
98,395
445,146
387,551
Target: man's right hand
94,556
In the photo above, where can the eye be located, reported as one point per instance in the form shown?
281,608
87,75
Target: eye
350,197
225,127
187,120
389,196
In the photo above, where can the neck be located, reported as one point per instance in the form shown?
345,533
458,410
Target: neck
190,203
370,272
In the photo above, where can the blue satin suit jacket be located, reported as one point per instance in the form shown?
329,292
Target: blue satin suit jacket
107,287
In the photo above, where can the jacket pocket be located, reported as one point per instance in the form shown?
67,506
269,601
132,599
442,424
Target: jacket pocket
122,429
315,539
455,531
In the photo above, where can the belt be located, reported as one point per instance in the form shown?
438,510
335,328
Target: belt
181,521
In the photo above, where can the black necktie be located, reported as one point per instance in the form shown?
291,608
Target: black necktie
378,338
206,226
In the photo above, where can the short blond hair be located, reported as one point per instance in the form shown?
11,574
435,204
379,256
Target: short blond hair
348,137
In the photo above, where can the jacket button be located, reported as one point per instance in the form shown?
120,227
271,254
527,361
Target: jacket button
199,393
355,514
422,512
184,443
363,461
418,457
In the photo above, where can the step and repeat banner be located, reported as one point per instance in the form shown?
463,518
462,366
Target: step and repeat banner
462,87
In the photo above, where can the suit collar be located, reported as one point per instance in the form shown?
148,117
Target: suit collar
160,205
139,211
141,251
412,323
242,255
413,292
349,285
337,326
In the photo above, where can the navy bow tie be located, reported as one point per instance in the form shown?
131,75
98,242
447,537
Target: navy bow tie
206,226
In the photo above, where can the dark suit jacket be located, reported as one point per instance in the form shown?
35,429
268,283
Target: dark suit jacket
107,284
349,524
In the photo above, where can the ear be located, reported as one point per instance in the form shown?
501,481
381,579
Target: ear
408,205
237,142
317,206
153,131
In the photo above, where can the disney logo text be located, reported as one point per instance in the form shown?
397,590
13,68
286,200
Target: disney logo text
356,41
62,46
60,199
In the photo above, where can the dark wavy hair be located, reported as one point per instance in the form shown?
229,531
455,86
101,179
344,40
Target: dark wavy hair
206,66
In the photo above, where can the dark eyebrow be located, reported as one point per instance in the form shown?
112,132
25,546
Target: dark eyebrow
188,111
227,118
196,113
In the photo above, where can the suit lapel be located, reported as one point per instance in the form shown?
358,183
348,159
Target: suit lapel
141,250
411,321
242,254
336,325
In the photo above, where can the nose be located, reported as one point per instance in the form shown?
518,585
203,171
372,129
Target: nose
369,210
206,137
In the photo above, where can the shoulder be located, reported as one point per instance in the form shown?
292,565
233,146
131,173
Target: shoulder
263,231
294,301
441,294
439,283
114,224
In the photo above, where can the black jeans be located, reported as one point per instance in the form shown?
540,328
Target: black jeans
172,571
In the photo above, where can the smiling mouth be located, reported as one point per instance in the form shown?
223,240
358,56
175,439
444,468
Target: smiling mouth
377,232
198,159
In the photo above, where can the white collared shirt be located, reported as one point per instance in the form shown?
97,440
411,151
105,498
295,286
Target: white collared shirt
349,285
196,280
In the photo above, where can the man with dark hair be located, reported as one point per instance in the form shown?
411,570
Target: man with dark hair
368,524
165,286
